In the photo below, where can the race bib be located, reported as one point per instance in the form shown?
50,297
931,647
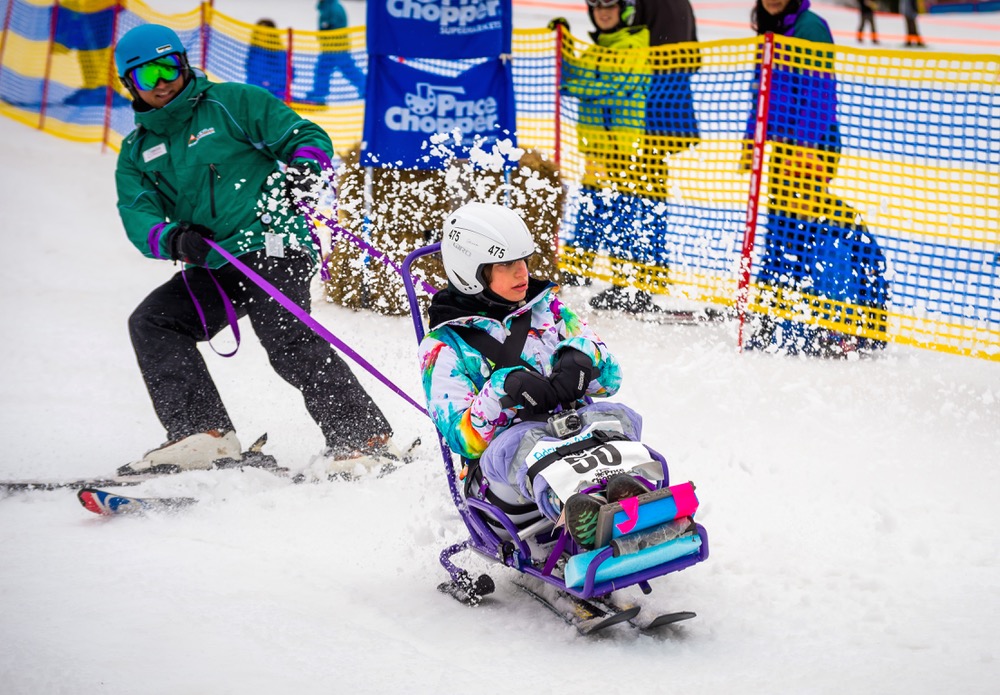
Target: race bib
573,472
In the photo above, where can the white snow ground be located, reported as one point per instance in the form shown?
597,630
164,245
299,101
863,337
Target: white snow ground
851,507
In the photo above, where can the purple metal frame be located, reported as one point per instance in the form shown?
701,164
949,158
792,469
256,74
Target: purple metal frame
514,552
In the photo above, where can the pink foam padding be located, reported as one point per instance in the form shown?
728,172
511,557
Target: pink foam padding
630,505
685,499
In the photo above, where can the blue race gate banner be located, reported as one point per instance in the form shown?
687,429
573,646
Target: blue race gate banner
446,29
407,105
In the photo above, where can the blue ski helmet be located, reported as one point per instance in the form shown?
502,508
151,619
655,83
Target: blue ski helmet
144,43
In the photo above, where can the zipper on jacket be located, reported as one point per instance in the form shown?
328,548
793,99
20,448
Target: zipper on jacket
160,183
211,186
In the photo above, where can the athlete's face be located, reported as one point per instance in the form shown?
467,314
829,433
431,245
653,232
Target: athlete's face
509,280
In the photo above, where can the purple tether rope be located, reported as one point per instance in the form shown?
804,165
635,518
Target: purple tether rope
154,245
312,323
324,161
334,226
230,313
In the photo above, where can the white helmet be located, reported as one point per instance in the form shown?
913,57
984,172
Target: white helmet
481,234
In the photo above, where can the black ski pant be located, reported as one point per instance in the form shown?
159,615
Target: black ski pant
867,17
165,329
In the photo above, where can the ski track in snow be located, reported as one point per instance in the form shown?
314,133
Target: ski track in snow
851,506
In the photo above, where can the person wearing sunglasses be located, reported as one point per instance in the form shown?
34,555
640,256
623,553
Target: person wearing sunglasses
671,127
231,164
611,81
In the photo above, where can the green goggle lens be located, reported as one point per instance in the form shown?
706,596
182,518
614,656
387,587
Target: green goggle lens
146,76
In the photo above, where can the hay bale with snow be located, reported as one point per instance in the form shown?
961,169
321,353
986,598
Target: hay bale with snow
407,210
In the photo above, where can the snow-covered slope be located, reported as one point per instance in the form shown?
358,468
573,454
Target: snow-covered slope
851,508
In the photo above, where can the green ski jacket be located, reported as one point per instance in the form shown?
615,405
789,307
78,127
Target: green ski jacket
211,157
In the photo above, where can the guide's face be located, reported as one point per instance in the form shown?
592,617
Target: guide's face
158,81
775,7
163,93
509,280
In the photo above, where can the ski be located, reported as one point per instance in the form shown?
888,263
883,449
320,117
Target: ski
111,504
644,623
314,475
667,619
408,456
597,613
77,484
253,457
588,617
466,590
670,317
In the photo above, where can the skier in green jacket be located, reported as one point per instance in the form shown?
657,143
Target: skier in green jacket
231,163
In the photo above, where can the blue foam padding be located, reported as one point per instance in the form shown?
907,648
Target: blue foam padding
650,514
576,567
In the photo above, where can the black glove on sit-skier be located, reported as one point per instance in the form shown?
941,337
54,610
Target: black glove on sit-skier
187,243
530,390
302,183
571,374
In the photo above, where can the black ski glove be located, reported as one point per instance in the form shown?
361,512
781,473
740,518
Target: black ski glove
571,374
302,184
530,390
187,243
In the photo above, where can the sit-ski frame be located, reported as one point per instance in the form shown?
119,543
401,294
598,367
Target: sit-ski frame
514,551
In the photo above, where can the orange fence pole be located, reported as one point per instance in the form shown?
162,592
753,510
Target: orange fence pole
6,27
558,103
112,76
48,64
205,7
288,66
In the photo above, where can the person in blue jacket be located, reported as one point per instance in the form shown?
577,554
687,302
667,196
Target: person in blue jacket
335,54
267,60
819,259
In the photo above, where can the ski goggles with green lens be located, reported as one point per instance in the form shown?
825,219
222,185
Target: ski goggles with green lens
146,76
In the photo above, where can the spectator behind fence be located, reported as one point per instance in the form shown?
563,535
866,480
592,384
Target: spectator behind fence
908,8
267,60
816,247
819,260
866,10
335,54
611,81
86,26
671,126
670,104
